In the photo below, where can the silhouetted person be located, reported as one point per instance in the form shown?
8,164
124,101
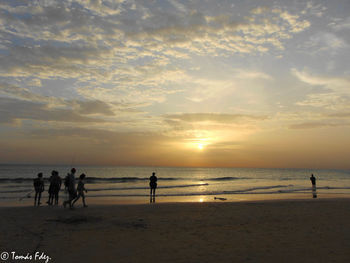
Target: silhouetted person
55,186
69,184
313,180
50,201
39,188
153,185
313,183
80,190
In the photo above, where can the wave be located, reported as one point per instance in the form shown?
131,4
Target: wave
273,189
145,188
227,178
93,180
26,190
257,188
249,191
126,179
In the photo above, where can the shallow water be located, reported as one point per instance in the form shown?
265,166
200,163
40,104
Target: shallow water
130,184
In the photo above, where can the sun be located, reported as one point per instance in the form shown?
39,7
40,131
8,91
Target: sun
200,146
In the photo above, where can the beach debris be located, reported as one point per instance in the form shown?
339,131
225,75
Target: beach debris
220,198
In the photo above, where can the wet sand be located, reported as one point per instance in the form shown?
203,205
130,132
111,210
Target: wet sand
258,231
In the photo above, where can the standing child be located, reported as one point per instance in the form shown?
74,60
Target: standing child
39,188
80,190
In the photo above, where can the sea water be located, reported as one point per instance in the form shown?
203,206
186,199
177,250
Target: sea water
131,184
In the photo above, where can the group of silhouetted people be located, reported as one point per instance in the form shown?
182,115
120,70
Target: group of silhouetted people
74,193
55,186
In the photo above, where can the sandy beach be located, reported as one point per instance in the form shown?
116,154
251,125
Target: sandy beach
263,231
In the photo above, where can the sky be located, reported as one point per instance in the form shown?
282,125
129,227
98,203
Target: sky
196,83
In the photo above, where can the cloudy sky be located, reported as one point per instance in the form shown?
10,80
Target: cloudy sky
178,83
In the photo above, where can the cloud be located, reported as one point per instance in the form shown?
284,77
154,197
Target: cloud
325,42
87,146
79,106
339,115
22,93
296,25
78,42
315,125
340,24
213,117
335,93
12,109
134,53
94,107
333,83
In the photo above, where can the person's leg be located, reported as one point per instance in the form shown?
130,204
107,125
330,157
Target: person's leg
56,198
67,201
76,199
83,197
35,198
72,196
39,197
152,194
70,201
50,199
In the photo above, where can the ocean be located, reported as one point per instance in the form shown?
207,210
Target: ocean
131,184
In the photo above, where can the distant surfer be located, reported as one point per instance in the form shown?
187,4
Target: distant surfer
313,183
39,188
153,185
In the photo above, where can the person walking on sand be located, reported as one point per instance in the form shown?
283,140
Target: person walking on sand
80,190
39,188
153,185
69,184
313,183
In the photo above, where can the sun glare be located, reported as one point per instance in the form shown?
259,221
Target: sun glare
200,146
